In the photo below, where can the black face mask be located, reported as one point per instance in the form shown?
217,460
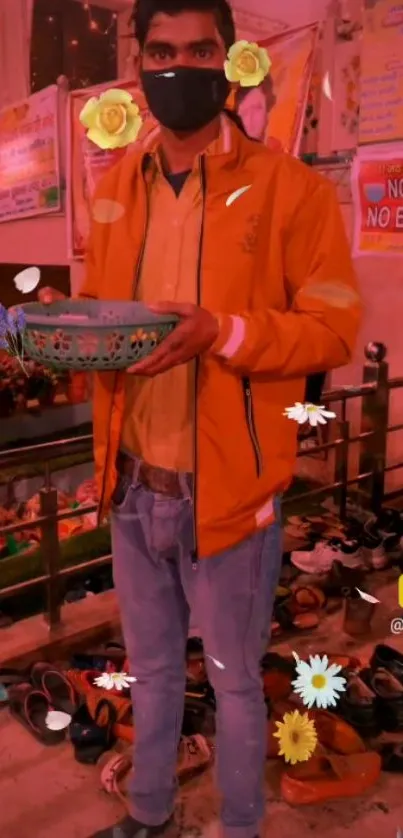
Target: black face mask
185,98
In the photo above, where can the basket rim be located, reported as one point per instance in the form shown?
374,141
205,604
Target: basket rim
33,321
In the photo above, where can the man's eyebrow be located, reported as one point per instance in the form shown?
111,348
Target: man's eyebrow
203,42
155,44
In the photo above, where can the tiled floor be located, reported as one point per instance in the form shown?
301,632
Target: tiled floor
44,793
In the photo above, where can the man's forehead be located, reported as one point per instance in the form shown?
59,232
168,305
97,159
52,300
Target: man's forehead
184,28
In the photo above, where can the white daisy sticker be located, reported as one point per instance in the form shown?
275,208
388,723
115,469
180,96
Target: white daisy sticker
315,414
114,681
317,682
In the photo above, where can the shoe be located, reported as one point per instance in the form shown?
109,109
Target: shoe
389,698
383,539
386,657
358,705
131,828
330,776
322,556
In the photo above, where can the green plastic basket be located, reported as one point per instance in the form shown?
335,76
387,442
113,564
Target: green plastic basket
92,334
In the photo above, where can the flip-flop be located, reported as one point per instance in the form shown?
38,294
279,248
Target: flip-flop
56,686
30,707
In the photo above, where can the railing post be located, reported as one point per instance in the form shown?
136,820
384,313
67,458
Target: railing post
341,468
374,418
50,548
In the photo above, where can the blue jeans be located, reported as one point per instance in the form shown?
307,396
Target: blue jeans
231,597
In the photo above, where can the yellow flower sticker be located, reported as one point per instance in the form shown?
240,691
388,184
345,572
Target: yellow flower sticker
247,63
297,737
113,120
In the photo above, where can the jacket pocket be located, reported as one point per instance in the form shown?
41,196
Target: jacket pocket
251,425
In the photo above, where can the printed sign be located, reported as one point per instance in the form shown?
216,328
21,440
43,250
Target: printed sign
378,203
29,157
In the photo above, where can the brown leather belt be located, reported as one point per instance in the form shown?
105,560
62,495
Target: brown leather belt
155,479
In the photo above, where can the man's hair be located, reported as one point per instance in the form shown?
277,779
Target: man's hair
144,11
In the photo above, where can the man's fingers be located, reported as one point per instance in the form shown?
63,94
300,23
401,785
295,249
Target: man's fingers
181,309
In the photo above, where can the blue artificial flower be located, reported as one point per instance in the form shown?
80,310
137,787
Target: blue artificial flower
11,324
3,320
3,342
20,319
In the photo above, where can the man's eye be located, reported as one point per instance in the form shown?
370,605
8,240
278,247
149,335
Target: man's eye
160,54
204,53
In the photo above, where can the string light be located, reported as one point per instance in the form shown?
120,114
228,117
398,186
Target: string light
93,24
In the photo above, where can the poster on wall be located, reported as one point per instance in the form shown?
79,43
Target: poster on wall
345,94
273,113
381,106
30,181
377,181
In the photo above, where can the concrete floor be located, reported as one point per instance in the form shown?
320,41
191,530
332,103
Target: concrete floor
44,793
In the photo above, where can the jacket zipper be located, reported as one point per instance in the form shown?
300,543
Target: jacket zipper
135,282
250,421
202,171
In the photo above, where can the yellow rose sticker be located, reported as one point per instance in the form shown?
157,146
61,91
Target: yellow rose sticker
247,64
113,120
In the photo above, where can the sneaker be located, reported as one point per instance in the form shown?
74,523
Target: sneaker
324,553
131,828
384,535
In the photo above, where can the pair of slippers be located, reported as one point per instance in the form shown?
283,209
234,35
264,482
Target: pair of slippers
34,694
44,701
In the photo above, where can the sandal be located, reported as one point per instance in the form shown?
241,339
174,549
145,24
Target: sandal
114,772
54,684
30,707
89,738
307,598
285,618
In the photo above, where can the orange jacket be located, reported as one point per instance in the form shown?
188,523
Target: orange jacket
275,266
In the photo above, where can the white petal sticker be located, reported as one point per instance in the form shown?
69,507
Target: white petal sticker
105,211
217,663
367,597
57,720
326,87
27,280
237,194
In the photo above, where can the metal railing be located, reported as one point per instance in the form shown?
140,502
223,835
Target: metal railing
370,480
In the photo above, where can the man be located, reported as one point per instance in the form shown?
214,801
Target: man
192,448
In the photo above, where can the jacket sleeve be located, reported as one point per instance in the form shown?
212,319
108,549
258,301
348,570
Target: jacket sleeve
319,330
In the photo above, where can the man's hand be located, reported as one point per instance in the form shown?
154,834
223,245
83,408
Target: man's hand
194,334
46,296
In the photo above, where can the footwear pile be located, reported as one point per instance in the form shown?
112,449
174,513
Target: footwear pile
349,757
363,541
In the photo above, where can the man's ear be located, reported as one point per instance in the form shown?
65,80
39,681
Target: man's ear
136,59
